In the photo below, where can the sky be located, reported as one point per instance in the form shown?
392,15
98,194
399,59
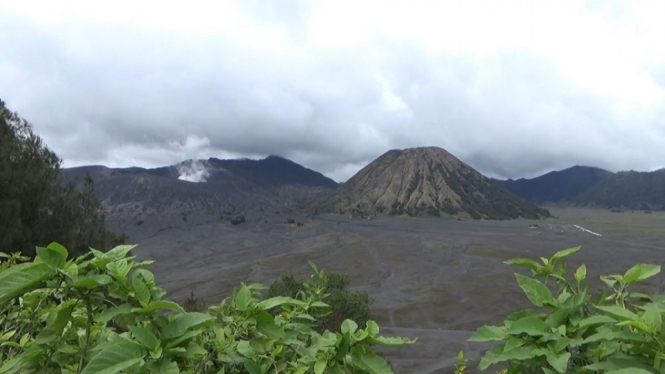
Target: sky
512,88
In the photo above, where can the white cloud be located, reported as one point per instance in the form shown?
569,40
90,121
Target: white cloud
514,88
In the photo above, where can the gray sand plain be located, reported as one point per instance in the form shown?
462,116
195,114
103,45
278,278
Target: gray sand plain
431,279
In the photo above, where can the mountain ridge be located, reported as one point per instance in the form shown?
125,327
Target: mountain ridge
587,186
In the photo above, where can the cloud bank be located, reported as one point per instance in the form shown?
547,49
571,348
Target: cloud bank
514,90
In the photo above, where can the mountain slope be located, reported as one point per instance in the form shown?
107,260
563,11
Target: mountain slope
159,197
427,181
587,186
557,186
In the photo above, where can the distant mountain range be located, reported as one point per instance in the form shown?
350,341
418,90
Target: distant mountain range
417,182
593,187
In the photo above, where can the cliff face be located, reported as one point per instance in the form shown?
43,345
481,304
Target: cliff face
427,181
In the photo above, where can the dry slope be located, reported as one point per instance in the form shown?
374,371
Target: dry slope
427,181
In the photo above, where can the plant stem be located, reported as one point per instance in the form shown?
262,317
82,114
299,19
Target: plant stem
88,327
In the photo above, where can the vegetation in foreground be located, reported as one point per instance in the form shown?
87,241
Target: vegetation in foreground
102,313
616,331
344,304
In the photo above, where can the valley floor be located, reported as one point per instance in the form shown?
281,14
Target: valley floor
432,279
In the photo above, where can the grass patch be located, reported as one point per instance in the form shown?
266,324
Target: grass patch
626,224
434,244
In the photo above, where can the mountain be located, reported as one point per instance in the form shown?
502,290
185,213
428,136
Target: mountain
593,187
197,191
427,181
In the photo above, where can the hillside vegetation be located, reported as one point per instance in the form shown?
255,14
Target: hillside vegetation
34,207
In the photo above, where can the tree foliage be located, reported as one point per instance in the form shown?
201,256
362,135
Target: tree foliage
34,207
345,304
102,313
572,331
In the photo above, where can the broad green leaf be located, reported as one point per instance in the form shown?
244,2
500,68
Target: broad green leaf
563,343
252,367
349,327
497,355
610,281
320,366
147,276
561,254
92,281
278,301
118,269
194,351
372,328
557,318
533,326
488,334
623,365
119,252
21,278
536,291
141,290
558,361
62,317
51,257
266,324
640,272
97,253
261,344
513,343
46,335
59,248
595,320
111,313
145,337
243,298
652,318
524,262
183,322
580,273
184,337
165,366
115,358
245,349
619,313
165,305
371,362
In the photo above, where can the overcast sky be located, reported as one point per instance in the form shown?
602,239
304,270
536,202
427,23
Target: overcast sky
513,88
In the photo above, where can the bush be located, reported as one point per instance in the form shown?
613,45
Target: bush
102,313
615,331
238,220
344,303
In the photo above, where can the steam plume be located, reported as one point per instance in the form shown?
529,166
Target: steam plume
193,171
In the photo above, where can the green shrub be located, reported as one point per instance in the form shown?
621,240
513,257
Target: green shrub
615,331
344,304
102,313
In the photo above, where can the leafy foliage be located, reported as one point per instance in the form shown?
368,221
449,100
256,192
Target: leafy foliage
102,313
571,331
34,207
344,303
